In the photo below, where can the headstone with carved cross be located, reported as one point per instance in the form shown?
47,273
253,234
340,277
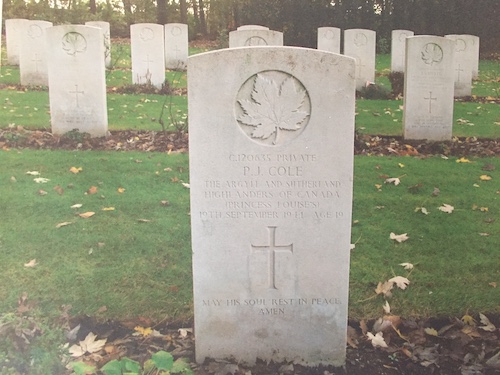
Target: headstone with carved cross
77,79
271,158
329,39
33,58
398,49
360,44
148,54
428,91
176,46
106,31
14,30
464,65
255,37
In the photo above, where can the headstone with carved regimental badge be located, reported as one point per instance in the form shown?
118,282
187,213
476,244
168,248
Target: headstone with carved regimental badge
428,91
255,37
176,46
106,31
271,167
360,44
33,55
252,27
77,85
398,49
329,39
464,63
148,54
14,31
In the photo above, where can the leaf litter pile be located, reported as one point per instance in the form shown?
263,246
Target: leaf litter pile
469,345
158,141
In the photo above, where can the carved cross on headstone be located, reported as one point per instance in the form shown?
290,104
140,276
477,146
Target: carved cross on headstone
272,248
76,92
459,69
148,60
36,60
430,99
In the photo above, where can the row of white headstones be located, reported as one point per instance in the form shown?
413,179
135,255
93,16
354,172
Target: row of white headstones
434,75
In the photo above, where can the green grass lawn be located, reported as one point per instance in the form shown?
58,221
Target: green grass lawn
134,257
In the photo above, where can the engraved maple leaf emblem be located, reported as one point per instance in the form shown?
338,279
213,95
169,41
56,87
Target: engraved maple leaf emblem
432,53
74,43
273,107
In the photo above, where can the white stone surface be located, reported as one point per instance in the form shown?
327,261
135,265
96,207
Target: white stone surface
1,20
176,46
254,37
428,92
33,54
360,44
475,46
398,49
14,29
463,64
252,27
148,54
329,39
106,31
77,86
271,158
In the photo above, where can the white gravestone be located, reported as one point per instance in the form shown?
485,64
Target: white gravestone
176,46
77,86
428,91
463,64
253,37
33,57
252,27
271,163
475,48
329,39
106,30
1,7
148,54
398,48
360,44
14,30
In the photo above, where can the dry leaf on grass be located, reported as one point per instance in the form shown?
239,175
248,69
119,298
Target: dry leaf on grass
64,224
446,208
431,331
398,237
485,177
31,264
41,180
406,266
92,190
78,205
75,170
395,180
400,281
33,173
384,288
120,190
86,215
387,308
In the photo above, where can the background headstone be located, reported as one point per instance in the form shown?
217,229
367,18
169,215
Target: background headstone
360,44
253,37
176,46
398,49
77,85
428,92
329,39
33,54
475,47
106,30
1,20
252,27
463,64
271,202
148,54
14,30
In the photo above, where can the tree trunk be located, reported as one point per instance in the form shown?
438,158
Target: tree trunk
183,9
161,12
196,17
92,7
203,21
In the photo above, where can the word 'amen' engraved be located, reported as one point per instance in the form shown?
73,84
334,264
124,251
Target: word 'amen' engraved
271,249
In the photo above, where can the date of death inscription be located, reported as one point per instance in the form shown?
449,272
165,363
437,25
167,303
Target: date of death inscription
270,306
